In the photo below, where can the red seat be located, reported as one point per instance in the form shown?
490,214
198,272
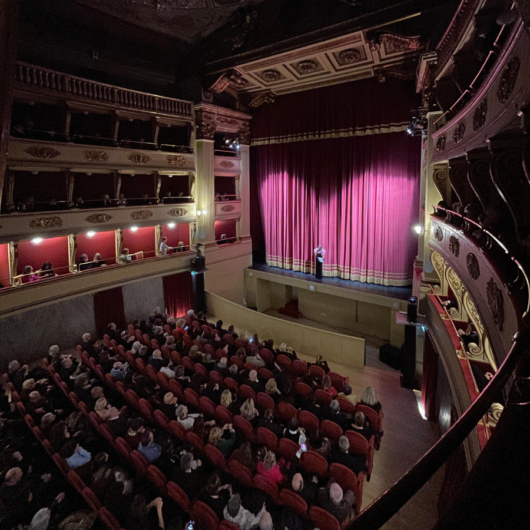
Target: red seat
298,367
317,371
245,428
308,421
240,472
177,335
323,398
157,478
288,449
174,386
360,446
47,446
138,335
347,480
140,366
29,420
91,499
146,340
178,495
121,352
314,463
163,380
177,430
290,498
337,381
146,410
201,370
208,348
331,430
267,438
228,339
120,387
132,398
83,408
284,362
84,359
151,373
265,374
346,406
216,377
267,356
38,433
61,464
220,354
195,441
99,372
191,397
227,525
73,399
237,361
323,519
302,389
215,456
176,357
286,411
166,352
270,488
207,407
140,463
107,433
123,449
75,481
94,420
129,357
245,392
264,402
109,519
204,516
249,367
154,344
240,343
223,415
188,364
231,384
374,418
110,381
198,343
161,419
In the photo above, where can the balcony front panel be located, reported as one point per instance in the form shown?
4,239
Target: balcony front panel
38,155
499,306
494,105
224,165
228,209
21,226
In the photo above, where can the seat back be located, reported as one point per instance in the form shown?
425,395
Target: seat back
302,389
347,480
178,495
195,441
204,516
331,430
110,381
314,463
270,488
207,407
265,374
346,406
245,392
123,449
317,371
290,498
177,430
140,366
237,361
140,463
372,416
216,377
75,481
240,472
288,449
146,409
298,367
215,456
157,478
91,499
284,362
174,386
231,384
337,381
223,415
308,421
201,370
267,438
163,380
61,464
244,427
151,373
267,356
264,402
188,364
323,519
358,443
161,419
191,397
109,519
286,411
323,398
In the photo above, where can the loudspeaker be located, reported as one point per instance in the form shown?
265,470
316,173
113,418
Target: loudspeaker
390,355
198,264
412,309
199,298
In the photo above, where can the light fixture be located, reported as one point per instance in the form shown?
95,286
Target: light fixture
204,212
91,233
418,229
199,213
134,228
36,240
171,225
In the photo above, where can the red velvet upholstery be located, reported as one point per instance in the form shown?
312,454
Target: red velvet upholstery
290,498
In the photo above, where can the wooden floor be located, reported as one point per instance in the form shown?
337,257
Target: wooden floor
407,437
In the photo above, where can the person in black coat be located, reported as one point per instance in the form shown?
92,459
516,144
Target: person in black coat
334,414
340,455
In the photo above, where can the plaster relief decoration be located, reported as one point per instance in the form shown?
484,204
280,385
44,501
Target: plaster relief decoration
205,130
496,303
244,137
227,208
139,158
441,181
227,121
257,100
439,266
392,42
309,66
479,118
349,56
142,214
176,160
508,79
454,245
473,266
459,132
458,289
97,218
440,144
438,234
46,222
42,152
96,156
270,76
178,212
226,164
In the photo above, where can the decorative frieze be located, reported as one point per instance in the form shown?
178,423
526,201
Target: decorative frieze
454,245
98,218
139,158
438,234
142,214
39,151
205,130
177,212
459,132
508,79
96,156
473,266
176,160
46,222
226,164
495,303
227,208
479,117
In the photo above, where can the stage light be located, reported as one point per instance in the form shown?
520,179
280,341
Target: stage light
418,229
134,228
171,225
36,240
409,130
91,233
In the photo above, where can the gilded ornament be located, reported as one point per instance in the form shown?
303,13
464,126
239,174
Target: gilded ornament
271,75
139,158
459,132
176,160
479,118
473,266
97,218
244,137
142,214
178,212
227,208
46,222
307,67
438,234
42,152
508,79
227,121
349,56
205,131
496,303
227,164
96,156
440,143
454,245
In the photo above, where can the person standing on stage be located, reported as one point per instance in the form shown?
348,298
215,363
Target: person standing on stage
320,253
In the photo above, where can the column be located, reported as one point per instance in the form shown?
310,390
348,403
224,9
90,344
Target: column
12,249
117,185
118,242
70,181
72,249
158,237
8,58
10,189
157,181
244,192
205,191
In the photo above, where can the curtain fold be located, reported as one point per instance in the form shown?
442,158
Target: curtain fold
429,382
109,307
178,293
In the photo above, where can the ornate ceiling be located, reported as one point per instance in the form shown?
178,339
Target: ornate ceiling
190,20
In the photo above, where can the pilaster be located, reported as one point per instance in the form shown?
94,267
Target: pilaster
244,191
205,191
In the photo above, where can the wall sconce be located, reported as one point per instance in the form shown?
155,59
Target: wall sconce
171,225
36,240
134,228
418,229
91,233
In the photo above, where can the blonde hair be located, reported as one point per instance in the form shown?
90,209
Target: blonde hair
226,398
248,411
326,382
170,340
368,396
180,323
271,387
215,436
269,461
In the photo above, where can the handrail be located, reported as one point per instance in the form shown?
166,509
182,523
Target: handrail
394,498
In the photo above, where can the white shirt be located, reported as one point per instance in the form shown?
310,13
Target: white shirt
164,248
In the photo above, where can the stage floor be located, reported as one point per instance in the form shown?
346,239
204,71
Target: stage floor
400,293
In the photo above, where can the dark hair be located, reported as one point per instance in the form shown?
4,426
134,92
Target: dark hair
46,266
138,509
146,437
68,449
57,434
219,324
135,423
346,389
269,414
315,441
292,425
213,485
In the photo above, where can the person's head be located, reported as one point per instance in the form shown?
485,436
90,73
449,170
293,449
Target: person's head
241,353
253,375
157,354
164,239
233,369
326,382
142,352
265,521
84,258
170,398
186,462
28,269
14,365
53,350
47,420
269,415
46,266
181,412
226,398
215,436
86,337
147,437
359,419
68,449
271,387
344,444
97,392
170,340
234,505
34,396
41,520
347,390
101,404
179,370
247,409
334,406
297,482
13,476
136,347
283,347
125,251
335,493
28,384
369,396
213,484
180,323
67,363
292,424
269,461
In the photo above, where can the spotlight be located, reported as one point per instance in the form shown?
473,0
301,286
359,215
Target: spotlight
418,229
171,225
134,228
91,233
409,130
36,240
227,141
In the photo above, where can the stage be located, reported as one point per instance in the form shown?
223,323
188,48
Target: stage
364,309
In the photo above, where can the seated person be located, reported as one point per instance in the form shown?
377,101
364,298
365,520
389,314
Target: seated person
243,455
347,394
134,433
84,264
119,371
306,490
327,386
29,275
98,261
334,414
180,247
156,360
169,370
46,271
337,503
117,423
185,419
271,389
249,411
361,426
255,359
267,422
190,475
341,455
169,405
148,447
215,495
293,432
224,439
75,455
368,398
125,257
235,513
253,382
270,469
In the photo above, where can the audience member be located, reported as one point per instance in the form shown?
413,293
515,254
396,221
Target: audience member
308,491
368,398
270,469
215,495
75,455
341,455
361,426
333,500
148,447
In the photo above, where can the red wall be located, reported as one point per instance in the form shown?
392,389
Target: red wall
4,266
134,187
54,250
225,227
181,232
142,239
175,184
93,186
102,242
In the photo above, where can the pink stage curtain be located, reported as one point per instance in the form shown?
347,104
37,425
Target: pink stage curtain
357,196
178,293
109,307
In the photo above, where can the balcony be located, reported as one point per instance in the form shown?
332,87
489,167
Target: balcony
227,209
227,166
